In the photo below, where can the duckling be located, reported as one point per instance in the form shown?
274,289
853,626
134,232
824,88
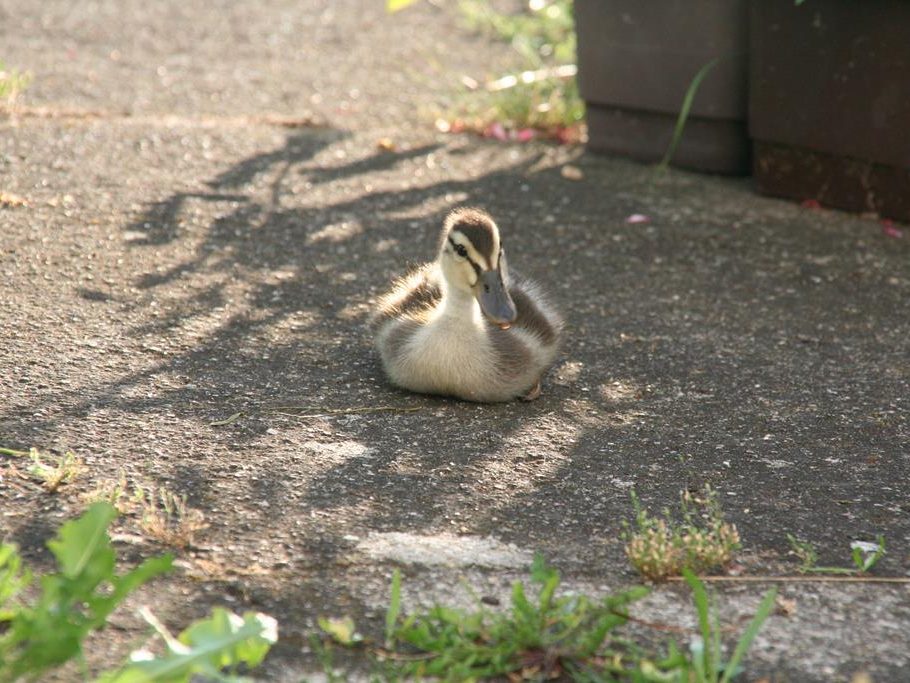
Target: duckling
463,325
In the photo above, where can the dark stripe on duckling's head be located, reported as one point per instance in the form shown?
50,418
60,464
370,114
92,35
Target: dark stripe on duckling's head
462,251
478,228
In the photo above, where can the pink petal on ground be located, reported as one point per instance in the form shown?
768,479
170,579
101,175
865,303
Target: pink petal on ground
636,218
525,134
810,204
496,130
889,229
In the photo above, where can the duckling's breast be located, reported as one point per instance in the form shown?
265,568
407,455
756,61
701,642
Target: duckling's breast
446,346
441,355
448,357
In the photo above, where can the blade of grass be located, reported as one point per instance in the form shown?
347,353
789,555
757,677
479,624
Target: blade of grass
226,421
684,114
391,616
716,646
761,614
702,608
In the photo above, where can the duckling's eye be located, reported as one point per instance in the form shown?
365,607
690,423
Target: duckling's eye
461,251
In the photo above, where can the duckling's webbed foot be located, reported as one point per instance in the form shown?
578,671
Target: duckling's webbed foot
533,393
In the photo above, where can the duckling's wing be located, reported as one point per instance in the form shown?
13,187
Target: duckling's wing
535,313
415,292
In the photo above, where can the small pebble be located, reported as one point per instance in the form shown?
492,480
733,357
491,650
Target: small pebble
570,172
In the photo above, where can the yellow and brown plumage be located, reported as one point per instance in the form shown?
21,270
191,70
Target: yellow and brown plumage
463,325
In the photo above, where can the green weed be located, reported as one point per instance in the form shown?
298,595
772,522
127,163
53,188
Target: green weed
661,547
805,551
12,84
206,648
52,471
545,636
43,633
539,637
863,554
73,601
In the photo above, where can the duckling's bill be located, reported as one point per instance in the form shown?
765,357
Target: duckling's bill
494,299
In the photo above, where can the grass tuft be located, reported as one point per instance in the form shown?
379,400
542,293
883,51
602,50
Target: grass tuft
166,517
661,547
163,516
53,471
12,84
114,492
